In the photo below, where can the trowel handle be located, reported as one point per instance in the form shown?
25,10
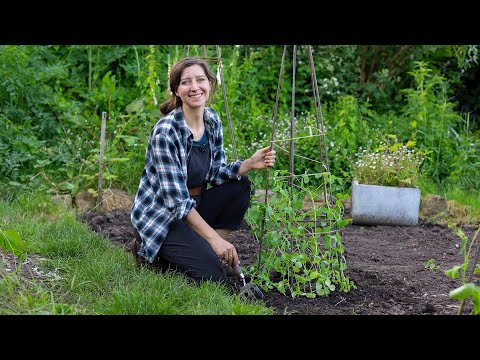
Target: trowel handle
237,269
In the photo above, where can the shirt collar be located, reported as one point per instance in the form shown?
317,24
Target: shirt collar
208,118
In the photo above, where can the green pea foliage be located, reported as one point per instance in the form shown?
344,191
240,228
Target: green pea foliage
302,248
468,289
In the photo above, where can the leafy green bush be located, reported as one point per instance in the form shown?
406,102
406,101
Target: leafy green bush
389,165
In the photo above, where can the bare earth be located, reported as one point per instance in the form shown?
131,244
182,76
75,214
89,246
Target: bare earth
387,264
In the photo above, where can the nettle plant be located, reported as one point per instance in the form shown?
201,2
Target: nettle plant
302,249
388,164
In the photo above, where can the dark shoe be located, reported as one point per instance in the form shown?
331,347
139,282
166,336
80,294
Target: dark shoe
161,265
134,248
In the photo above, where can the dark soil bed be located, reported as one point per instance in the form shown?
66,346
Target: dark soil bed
386,263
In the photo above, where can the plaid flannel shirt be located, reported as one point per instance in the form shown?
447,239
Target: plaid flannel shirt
162,196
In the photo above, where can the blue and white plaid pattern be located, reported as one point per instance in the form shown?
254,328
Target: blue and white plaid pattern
162,195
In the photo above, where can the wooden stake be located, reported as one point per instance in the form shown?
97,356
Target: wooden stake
100,166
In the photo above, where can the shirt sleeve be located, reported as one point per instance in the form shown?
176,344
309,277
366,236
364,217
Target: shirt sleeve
172,193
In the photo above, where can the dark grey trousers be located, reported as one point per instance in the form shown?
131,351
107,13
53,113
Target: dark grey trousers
222,207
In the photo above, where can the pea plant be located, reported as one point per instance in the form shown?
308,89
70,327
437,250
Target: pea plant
468,289
302,249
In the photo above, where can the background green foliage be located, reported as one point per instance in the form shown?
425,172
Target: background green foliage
52,98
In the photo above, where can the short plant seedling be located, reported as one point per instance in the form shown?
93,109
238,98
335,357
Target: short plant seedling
430,265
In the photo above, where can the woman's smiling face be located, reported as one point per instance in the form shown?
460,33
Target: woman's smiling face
194,87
